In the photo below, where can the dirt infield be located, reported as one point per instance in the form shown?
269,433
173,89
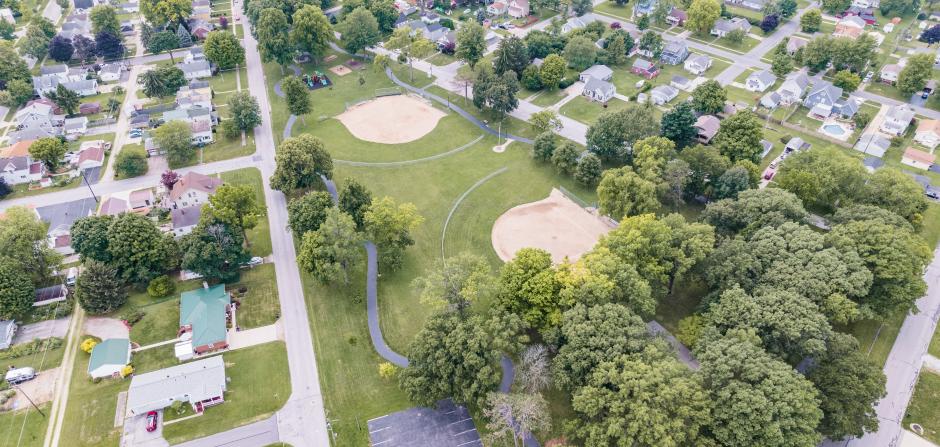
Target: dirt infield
391,119
340,70
555,224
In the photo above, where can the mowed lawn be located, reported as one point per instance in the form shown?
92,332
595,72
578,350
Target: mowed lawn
89,414
258,385
587,111
259,237
23,428
259,305
924,408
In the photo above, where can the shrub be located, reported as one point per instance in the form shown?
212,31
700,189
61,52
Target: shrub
127,370
131,162
133,315
230,130
690,329
161,286
88,344
387,370
30,348
565,83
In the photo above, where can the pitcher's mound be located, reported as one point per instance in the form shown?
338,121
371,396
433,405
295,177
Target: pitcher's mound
391,119
557,225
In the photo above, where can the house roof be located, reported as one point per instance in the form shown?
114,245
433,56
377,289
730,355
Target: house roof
204,309
871,141
18,149
599,72
5,326
926,125
678,13
91,154
113,206
825,88
139,198
111,68
194,180
700,60
89,107
186,217
919,155
772,98
197,381
795,43
667,91
732,24
681,80
599,84
113,351
84,84
795,143
847,107
764,76
75,123
854,21
901,113
675,47
30,134
54,69
708,124
18,163
50,293
194,66
643,64
891,68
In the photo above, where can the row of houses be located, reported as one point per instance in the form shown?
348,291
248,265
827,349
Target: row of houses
41,118
18,167
823,99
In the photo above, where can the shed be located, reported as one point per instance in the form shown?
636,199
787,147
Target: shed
109,357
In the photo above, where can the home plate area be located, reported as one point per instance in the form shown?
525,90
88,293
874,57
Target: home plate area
449,425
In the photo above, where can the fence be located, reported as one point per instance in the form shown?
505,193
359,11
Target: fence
794,127
574,198
102,122
159,108
387,91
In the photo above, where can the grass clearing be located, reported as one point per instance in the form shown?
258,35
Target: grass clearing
876,337
41,361
260,305
924,408
153,359
587,111
24,428
549,98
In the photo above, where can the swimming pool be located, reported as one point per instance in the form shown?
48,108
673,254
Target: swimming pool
834,129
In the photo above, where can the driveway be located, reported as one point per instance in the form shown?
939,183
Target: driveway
43,329
105,328
93,174
136,434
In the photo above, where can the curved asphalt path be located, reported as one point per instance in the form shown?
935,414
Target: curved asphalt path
392,164
277,91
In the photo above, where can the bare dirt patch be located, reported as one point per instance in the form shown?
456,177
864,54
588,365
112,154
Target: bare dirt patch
40,390
556,224
340,70
391,119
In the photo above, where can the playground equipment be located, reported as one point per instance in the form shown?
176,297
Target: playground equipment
316,80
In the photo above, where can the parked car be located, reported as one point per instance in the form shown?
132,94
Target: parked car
257,260
769,174
152,421
20,375
71,276
773,165
932,194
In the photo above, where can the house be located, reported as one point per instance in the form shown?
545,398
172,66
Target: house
49,295
873,144
7,331
897,119
644,7
770,100
112,206
140,121
60,71
644,68
794,44
724,26
141,200
890,72
91,158
918,159
21,169
60,240
194,54
578,22
793,87
196,69
39,115
698,64
676,17
497,8
681,83
928,133
707,127
760,81
201,13
86,87
674,52
109,358
187,98
89,108
75,127
846,108
82,5
6,14
662,94
598,90
599,72
850,26
865,13
204,315
185,219
200,120
200,384
822,95
796,144
193,189
111,72
200,29
430,17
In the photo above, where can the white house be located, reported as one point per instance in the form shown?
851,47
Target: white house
760,81
19,170
662,94
91,157
890,72
200,120
793,87
192,189
200,383
928,133
196,70
600,72
75,127
109,357
698,64
918,159
187,98
599,90
111,72
39,115
518,8
724,26
578,23
897,119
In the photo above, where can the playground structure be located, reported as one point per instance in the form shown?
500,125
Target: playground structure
316,80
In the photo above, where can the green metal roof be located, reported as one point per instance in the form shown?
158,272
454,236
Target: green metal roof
113,351
204,309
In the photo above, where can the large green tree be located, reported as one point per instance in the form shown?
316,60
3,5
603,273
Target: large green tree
527,287
307,213
355,199
389,225
580,52
271,30
138,249
90,237
897,192
214,249
311,31
753,210
702,15
614,132
455,283
511,55
824,178
50,151
66,99
739,137
244,110
360,30
297,96
175,138
23,240
238,207
914,75
162,81
105,18
99,288
330,251
470,43
301,161
16,289
623,193
709,97
158,12
650,156
678,125
224,49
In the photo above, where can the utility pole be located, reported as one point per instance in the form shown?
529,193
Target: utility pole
30,400
85,179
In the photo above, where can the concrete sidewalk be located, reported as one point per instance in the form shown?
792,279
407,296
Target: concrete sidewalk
256,336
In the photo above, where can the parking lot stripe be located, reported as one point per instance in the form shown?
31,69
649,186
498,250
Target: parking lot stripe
465,431
376,431
380,417
462,420
382,442
471,442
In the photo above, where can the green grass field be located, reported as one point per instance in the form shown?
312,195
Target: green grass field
89,414
41,361
23,428
587,111
924,408
260,305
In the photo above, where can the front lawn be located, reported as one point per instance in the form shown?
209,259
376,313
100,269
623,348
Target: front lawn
41,361
89,415
587,112
924,408
23,428
161,321
224,81
259,237
153,359
876,337
224,148
258,385
934,349
260,305
549,97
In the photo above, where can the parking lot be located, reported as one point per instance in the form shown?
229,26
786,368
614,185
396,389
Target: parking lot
448,425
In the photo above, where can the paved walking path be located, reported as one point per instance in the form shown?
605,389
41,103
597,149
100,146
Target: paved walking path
156,345
932,363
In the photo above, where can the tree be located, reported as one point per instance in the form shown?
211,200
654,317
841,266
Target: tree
769,23
88,345
311,31
552,70
515,416
470,43
675,179
99,289
166,11
649,398
162,81
85,50
782,64
455,284
787,7
811,20
732,182
678,125
739,136
35,42
297,96
592,335
168,179
527,288
138,249
271,29
66,99
511,55
836,6
20,91
175,138
589,170
497,94
652,42
898,7
617,50
622,193
754,209
546,120
565,158
23,240
214,249
914,75
90,238
897,192
581,52
237,206
16,290
164,41
454,356
6,30
736,36
650,156
360,30
386,14
104,18
709,97
355,199
50,151
307,213
131,162
300,162
931,35
614,132
849,386
533,372
108,46
244,110
12,66
161,287
330,251
702,15
389,226
581,7
544,147
224,50
823,178
60,49
846,80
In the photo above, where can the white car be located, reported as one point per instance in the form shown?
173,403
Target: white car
257,260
